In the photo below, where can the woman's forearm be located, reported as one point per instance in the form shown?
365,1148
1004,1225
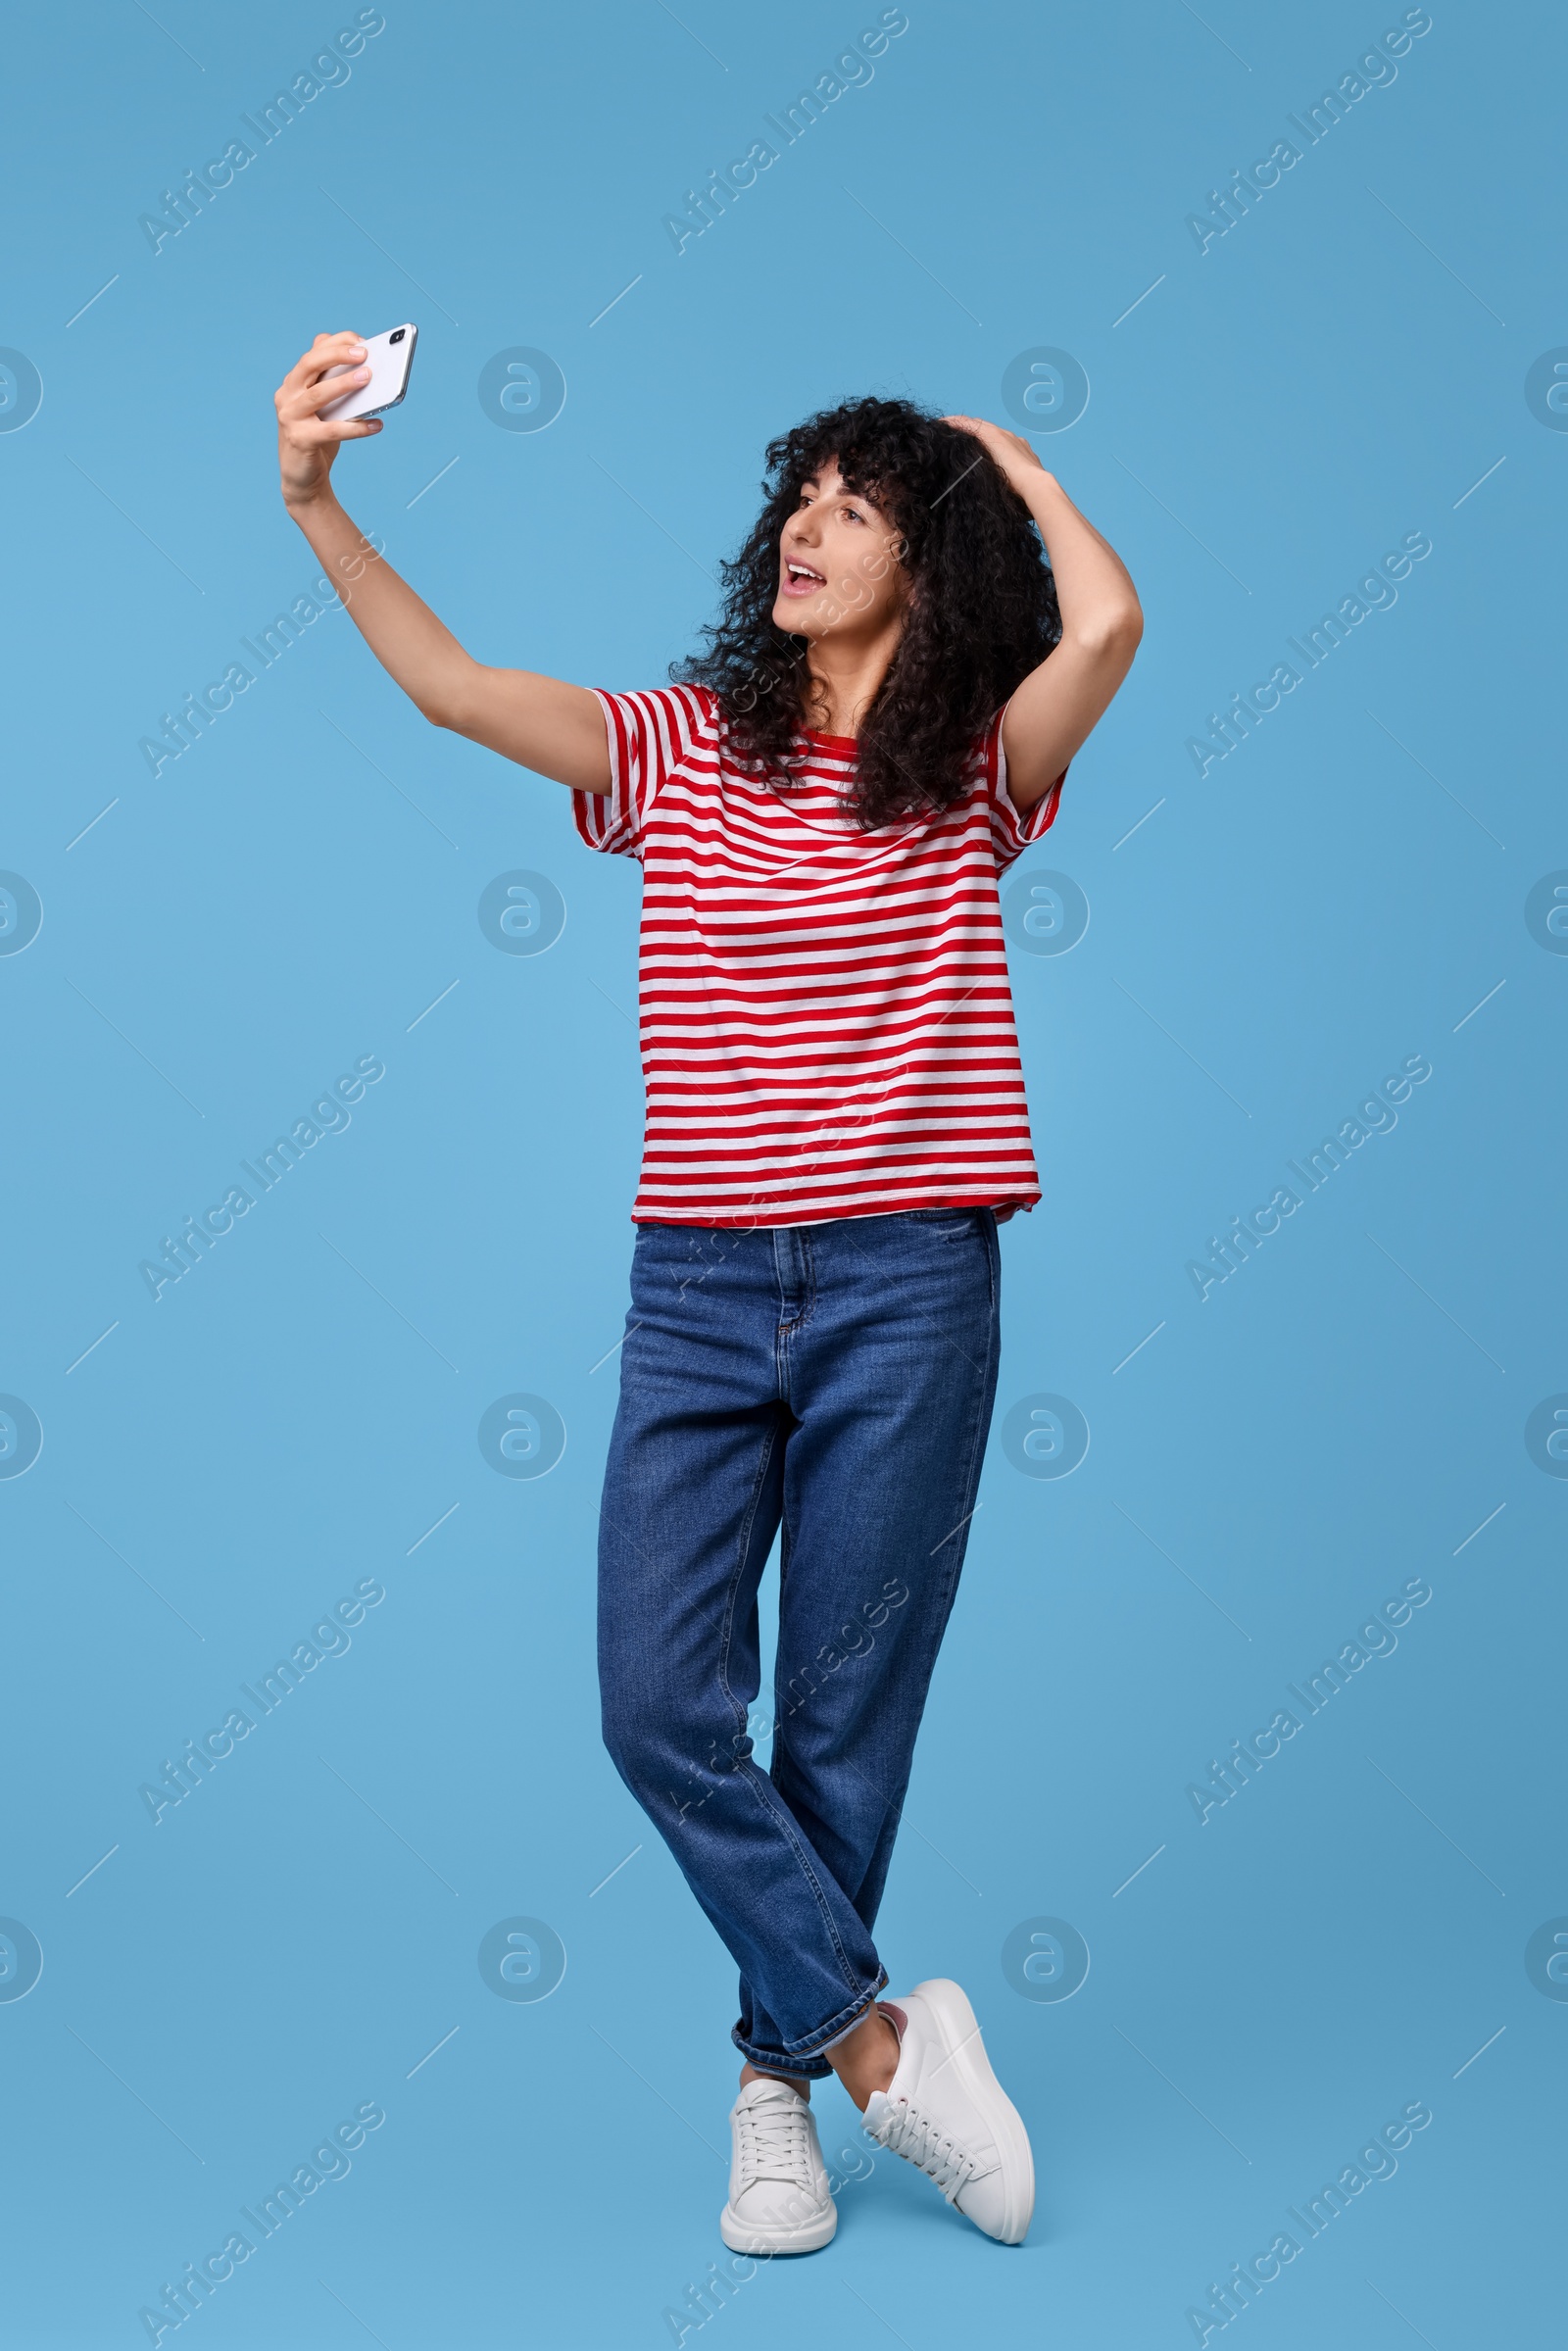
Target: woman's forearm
541,722
1098,601
415,647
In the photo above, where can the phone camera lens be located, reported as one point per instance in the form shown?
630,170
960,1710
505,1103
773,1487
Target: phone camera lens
398,337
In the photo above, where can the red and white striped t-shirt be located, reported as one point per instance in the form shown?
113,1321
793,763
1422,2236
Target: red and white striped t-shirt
826,1021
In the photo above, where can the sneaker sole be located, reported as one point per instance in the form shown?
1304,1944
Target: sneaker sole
811,2236
947,2006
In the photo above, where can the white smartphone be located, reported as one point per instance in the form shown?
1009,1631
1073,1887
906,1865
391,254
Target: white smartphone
389,357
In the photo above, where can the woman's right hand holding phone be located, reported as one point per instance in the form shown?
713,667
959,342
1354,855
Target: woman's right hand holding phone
306,443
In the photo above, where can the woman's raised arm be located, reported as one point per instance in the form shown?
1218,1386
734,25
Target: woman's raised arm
541,722
1059,704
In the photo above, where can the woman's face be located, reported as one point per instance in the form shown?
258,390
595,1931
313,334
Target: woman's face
839,568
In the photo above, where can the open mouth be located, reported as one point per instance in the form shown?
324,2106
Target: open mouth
800,580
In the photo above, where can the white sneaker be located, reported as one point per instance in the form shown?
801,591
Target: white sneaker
946,2112
779,2200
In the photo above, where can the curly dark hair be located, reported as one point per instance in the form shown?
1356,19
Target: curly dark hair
982,612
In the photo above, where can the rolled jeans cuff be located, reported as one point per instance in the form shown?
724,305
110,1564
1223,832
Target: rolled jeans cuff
804,2057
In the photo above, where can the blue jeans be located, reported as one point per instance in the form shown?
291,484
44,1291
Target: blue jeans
835,1379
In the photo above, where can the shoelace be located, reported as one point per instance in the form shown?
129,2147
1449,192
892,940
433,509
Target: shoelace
775,2144
905,2130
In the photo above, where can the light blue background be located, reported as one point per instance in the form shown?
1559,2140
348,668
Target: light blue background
299,887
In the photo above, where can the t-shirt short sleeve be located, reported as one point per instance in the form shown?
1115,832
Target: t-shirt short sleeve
648,736
1012,828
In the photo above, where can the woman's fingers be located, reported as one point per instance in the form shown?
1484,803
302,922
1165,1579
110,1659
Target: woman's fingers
313,432
305,391
327,350
1009,450
304,403
310,399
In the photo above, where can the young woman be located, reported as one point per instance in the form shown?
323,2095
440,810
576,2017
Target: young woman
917,637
